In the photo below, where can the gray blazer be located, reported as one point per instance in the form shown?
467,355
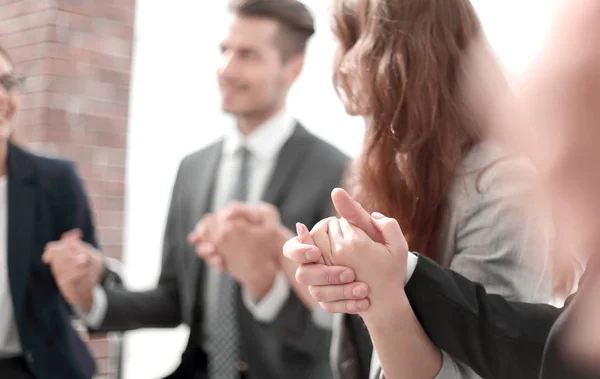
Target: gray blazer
292,346
492,224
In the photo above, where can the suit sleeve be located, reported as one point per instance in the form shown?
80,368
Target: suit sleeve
159,307
495,337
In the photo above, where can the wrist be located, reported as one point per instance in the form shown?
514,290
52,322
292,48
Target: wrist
100,270
261,283
283,235
385,310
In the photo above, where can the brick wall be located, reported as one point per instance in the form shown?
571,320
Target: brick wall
76,55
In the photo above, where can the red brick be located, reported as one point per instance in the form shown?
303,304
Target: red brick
111,219
28,37
109,203
26,21
99,346
113,251
127,4
103,109
19,8
120,14
104,44
116,158
35,116
110,28
115,174
110,236
105,124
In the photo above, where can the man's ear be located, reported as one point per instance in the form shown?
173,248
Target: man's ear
294,67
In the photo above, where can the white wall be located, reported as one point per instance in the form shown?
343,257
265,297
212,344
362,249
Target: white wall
175,110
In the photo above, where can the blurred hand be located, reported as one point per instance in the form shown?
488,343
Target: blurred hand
245,241
76,266
204,235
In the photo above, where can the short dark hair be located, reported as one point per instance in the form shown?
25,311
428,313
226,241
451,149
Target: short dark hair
296,22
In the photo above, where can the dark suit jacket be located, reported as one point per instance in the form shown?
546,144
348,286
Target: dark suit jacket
292,346
497,338
45,199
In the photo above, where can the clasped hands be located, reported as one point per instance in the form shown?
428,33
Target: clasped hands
355,264
244,241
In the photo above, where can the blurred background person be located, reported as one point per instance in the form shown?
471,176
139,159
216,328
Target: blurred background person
41,200
246,322
460,200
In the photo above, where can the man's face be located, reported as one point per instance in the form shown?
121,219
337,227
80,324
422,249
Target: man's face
252,77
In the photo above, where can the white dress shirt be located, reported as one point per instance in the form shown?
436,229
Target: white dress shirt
264,144
10,345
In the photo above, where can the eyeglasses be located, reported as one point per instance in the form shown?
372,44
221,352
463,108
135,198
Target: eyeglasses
11,82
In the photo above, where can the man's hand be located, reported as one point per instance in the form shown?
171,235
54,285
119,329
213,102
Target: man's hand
77,268
204,235
244,241
251,251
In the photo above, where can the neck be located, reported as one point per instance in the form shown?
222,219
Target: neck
3,158
248,124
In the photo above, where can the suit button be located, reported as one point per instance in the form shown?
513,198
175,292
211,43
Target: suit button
243,366
29,357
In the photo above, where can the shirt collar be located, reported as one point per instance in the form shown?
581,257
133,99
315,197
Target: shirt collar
266,141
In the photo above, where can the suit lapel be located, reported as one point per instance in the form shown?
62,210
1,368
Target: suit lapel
289,158
22,206
202,189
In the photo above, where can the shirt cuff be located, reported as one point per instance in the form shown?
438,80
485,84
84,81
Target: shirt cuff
95,317
267,309
411,264
450,369
322,319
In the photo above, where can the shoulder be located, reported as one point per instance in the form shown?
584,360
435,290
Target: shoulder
54,173
199,156
325,154
489,171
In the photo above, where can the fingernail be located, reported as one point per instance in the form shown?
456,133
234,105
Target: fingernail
298,228
347,276
377,215
360,291
311,256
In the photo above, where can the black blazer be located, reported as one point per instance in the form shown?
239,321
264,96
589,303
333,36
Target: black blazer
45,199
496,338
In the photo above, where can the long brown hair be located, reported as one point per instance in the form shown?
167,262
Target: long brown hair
399,67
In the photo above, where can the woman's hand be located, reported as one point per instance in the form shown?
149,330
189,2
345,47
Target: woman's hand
382,266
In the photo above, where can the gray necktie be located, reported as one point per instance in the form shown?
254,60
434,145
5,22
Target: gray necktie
224,331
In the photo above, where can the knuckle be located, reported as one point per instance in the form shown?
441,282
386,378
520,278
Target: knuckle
327,307
301,276
350,306
316,292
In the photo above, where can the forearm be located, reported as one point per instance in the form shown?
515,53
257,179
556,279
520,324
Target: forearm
403,348
127,310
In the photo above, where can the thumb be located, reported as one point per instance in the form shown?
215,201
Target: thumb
73,234
355,214
391,232
304,235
